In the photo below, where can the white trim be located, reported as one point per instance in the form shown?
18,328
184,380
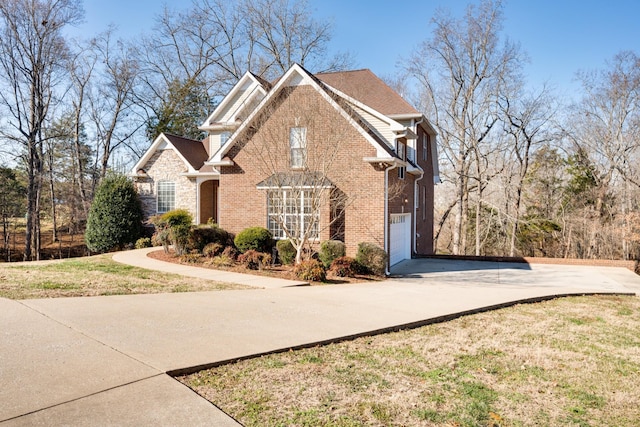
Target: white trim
297,76
157,146
394,125
246,78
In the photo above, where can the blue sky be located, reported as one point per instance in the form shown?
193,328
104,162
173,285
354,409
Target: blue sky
560,36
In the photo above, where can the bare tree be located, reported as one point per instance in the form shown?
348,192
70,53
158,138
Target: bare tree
303,161
81,71
527,120
606,124
215,42
112,100
32,54
460,71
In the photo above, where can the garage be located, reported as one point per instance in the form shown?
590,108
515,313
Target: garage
400,238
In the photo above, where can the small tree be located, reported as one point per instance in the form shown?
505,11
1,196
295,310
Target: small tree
12,200
115,217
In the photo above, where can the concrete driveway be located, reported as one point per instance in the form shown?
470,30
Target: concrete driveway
516,275
104,360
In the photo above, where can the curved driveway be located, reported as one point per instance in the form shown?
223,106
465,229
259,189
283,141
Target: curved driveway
104,360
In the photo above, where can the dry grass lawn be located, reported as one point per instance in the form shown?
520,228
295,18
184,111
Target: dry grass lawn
92,276
571,361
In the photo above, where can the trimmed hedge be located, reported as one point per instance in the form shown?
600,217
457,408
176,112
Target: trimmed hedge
286,251
256,238
203,235
372,257
330,250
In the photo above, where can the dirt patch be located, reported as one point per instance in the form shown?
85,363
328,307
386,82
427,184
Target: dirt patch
279,271
66,246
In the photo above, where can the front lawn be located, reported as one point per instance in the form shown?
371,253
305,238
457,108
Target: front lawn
91,276
571,361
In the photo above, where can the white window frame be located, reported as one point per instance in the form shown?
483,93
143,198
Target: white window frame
162,205
294,207
224,137
425,147
401,150
298,147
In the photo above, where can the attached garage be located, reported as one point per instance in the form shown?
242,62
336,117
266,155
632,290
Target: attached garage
399,238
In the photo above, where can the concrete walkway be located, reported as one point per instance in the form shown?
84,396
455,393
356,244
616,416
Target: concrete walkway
104,360
139,258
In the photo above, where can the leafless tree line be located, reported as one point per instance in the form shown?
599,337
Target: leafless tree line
73,109
525,175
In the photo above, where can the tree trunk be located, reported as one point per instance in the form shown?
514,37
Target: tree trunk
52,193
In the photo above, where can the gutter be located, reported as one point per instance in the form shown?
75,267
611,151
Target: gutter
415,186
387,271
393,162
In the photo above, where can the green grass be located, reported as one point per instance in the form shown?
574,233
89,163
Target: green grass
92,276
571,361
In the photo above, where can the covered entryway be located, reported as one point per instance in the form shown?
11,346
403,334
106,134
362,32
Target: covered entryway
208,201
399,238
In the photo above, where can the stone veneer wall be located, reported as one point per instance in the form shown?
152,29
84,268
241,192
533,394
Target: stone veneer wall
165,165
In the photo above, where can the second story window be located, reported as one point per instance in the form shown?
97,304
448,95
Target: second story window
298,144
224,137
425,146
401,150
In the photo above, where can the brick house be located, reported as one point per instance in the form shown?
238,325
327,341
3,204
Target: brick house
338,155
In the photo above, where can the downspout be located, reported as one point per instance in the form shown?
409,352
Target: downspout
386,214
415,210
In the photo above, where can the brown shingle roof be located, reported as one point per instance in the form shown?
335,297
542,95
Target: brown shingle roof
193,151
369,89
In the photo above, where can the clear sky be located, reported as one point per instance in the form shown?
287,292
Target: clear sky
560,36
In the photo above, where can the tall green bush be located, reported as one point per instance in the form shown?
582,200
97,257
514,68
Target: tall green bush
115,217
256,238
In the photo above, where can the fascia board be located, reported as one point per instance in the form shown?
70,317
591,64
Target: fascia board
147,154
229,97
394,125
305,79
154,147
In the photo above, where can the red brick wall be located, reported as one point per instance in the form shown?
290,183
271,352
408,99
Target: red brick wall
424,225
333,146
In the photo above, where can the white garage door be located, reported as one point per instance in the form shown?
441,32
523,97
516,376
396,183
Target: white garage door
400,239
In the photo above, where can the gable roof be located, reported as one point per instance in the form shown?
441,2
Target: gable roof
370,90
239,97
190,151
297,75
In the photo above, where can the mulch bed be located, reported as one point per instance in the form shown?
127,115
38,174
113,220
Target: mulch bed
279,271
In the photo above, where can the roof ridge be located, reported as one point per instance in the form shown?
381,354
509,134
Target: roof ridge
344,71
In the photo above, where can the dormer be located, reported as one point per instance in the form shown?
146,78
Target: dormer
233,109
